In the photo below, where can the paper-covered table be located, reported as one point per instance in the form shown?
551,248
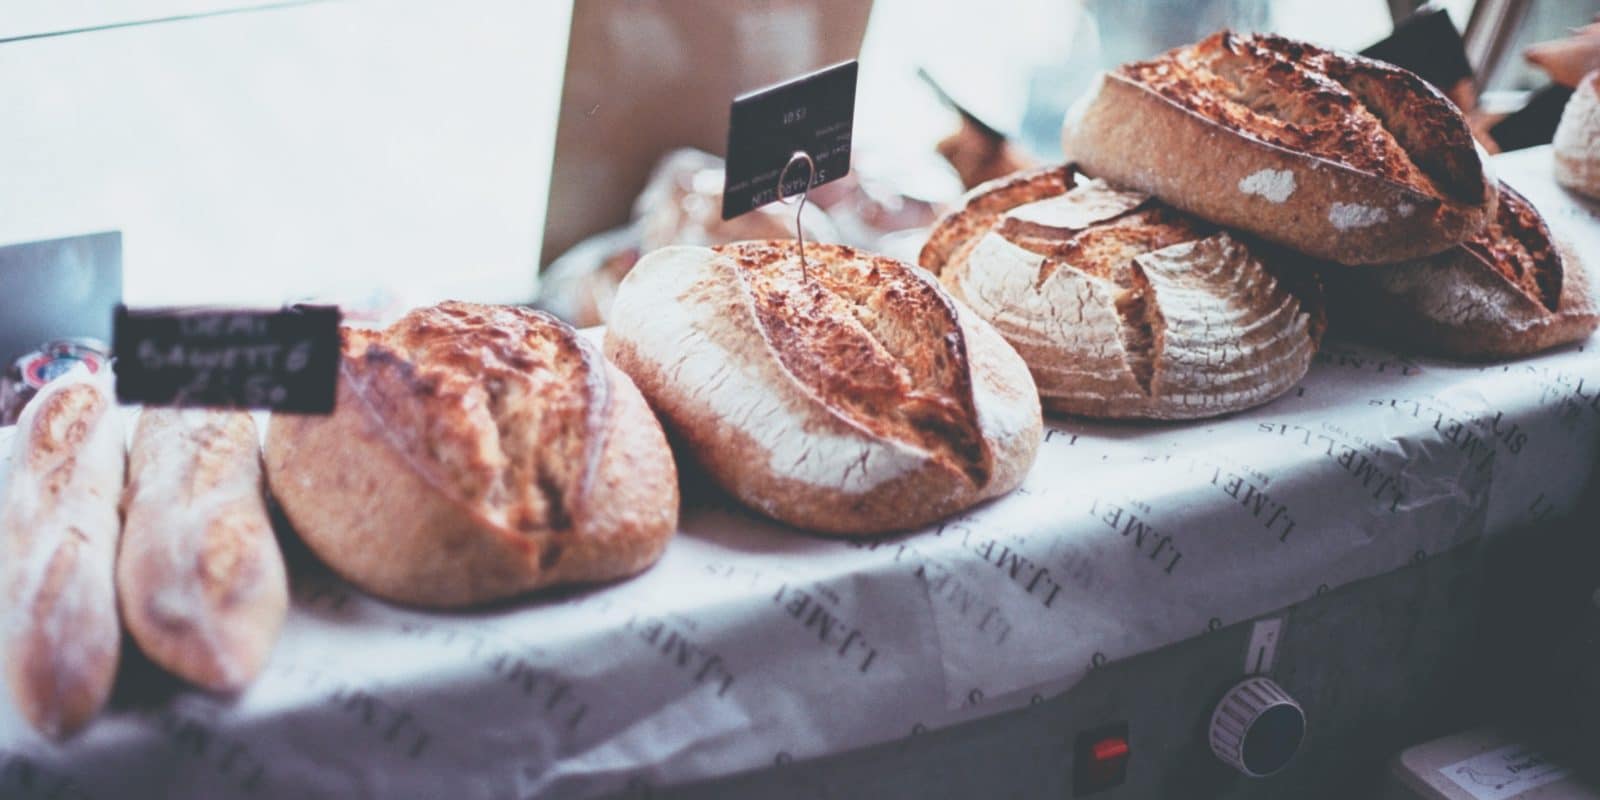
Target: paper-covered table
750,645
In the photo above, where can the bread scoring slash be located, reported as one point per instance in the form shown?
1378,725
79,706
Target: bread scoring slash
853,398
476,452
1331,154
1122,306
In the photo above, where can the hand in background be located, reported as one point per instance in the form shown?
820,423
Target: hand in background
1567,60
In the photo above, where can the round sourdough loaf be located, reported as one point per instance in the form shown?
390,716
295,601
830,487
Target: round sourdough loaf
1511,290
1334,155
1121,306
1577,139
852,398
476,452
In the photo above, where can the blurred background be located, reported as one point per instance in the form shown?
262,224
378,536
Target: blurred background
384,153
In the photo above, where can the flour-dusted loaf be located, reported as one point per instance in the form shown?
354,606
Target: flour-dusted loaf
1577,139
854,400
1334,155
59,524
1512,290
200,578
1124,307
476,452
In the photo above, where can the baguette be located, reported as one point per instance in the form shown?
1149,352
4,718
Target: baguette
1124,307
200,578
476,453
1512,290
855,398
1334,155
59,525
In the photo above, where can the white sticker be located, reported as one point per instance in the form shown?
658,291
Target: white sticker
1504,772
1263,650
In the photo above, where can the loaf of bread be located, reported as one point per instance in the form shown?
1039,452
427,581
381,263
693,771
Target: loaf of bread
849,397
1511,290
200,578
59,524
1334,155
475,453
1124,307
1577,139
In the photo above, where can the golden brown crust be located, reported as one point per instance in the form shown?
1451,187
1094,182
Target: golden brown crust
58,529
200,579
854,400
1334,155
1511,291
1122,306
476,452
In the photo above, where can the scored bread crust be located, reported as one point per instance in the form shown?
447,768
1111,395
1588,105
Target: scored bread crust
200,579
475,453
1513,290
854,399
1577,139
59,525
1334,155
1123,307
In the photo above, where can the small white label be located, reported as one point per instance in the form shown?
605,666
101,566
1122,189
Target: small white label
1263,651
1504,773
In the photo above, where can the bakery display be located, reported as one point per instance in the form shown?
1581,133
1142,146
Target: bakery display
1124,307
1511,290
59,526
1577,139
476,452
1334,155
200,578
849,395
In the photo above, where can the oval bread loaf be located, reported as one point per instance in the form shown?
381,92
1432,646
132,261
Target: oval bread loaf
1121,306
1512,290
59,526
476,452
855,398
200,577
1577,139
1334,155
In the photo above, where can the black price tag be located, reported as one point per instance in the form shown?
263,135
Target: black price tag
813,113
284,360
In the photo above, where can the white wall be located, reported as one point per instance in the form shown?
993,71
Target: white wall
322,150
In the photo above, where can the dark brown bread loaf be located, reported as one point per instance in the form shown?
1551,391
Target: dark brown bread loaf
1511,290
1334,155
477,452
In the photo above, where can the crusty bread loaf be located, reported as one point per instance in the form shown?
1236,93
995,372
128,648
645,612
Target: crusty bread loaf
1577,139
200,578
58,535
1512,290
856,400
1330,154
1121,306
476,452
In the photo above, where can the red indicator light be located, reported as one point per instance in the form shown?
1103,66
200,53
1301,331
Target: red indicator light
1112,749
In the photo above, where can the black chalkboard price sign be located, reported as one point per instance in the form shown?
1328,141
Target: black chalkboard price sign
285,360
812,113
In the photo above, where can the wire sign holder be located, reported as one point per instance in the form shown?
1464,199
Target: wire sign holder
807,120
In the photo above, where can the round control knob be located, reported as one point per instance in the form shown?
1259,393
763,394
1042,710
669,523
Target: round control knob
1257,727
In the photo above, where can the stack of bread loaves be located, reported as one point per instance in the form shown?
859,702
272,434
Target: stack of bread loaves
1231,180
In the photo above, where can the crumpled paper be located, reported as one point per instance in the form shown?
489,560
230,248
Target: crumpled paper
751,646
